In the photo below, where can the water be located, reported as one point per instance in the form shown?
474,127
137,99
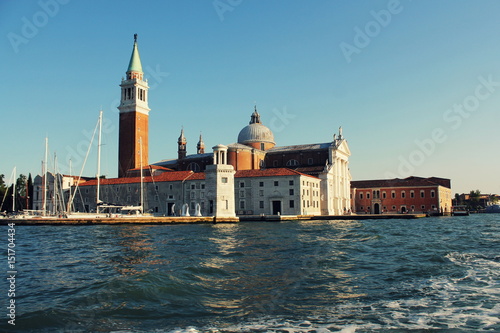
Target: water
312,276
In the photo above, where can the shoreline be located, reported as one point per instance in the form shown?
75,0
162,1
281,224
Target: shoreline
200,220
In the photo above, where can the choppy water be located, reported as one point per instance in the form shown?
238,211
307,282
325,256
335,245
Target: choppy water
314,276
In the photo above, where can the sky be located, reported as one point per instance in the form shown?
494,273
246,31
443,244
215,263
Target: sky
415,85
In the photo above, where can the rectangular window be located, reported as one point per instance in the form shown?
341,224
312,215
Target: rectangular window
261,204
193,186
276,183
261,193
224,180
242,194
291,191
433,194
202,195
203,186
361,195
242,184
292,203
290,182
310,161
170,186
242,204
261,184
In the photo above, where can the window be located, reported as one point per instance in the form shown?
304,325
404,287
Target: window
170,186
276,183
193,205
193,186
156,187
242,204
261,193
291,191
290,182
368,195
170,197
422,207
242,184
376,194
202,195
412,207
403,194
384,195
203,186
310,161
261,184
433,194
292,204
193,194
361,208
393,207
393,194
262,147
292,162
224,180
422,194
261,204
412,194
361,195
275,163
242,194
156,198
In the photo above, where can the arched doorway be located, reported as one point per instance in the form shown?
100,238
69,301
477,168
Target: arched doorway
376,208
403,209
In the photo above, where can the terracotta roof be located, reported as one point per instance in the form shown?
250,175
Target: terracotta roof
272,172
397,182
152,166
164,177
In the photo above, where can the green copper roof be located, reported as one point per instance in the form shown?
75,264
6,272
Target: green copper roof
135,60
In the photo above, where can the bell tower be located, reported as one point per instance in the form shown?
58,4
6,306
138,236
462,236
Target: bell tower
134,114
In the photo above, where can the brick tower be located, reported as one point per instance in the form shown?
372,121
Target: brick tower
134,113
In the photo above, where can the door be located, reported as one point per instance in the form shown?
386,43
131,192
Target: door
376,208
169,209
276,207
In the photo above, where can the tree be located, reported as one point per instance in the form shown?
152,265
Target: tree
493,199
457,199
473,202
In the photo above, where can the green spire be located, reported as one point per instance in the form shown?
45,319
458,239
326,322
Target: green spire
135,59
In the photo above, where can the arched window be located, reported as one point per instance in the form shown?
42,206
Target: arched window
292,162
193,166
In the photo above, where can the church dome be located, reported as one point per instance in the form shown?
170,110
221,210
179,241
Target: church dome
255,132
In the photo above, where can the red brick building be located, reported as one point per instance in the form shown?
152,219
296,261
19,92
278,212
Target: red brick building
412,194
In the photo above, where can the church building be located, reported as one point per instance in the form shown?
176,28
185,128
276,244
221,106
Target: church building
252,176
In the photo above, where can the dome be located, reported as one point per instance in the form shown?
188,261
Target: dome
255,132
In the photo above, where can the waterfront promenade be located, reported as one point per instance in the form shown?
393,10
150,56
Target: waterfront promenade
201,219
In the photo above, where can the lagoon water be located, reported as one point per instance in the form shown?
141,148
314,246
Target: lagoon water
311,276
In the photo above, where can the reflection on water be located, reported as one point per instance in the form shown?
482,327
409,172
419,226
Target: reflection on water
260,277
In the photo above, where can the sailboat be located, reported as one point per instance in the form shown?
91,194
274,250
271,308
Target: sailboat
98,213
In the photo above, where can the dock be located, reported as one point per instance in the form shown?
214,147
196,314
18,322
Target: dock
198,220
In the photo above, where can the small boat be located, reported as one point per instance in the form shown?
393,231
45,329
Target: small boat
459,211
492,209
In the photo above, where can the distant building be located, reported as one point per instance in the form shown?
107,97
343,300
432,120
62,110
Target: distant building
251,176
54,198
408,195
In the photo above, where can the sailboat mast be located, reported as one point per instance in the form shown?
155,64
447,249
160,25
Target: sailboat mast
98,161
44,171
142,185
14,171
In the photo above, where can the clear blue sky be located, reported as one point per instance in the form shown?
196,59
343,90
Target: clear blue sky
414,84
